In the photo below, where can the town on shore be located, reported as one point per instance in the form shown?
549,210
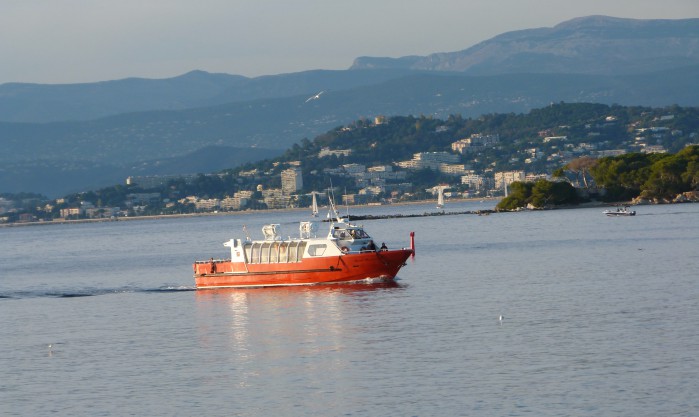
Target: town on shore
564,154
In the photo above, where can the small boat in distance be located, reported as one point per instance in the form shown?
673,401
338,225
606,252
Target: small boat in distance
346,254
440,198
620,211
314,206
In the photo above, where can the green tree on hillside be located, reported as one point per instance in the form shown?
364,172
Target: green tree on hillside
518,197
652,176
581,168
673,174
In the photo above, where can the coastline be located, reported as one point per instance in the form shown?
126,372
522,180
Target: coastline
221,213
591,204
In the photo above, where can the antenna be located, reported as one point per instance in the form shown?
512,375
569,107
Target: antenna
347,204
331,199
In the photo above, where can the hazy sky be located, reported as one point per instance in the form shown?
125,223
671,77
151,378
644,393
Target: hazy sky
70,41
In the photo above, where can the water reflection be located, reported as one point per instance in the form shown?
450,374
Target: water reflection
354,288
267,332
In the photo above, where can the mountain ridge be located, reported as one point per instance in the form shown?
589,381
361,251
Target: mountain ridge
590,45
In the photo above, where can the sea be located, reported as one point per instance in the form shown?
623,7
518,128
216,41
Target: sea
536,313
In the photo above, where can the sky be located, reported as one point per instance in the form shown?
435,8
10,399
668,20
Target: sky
79,41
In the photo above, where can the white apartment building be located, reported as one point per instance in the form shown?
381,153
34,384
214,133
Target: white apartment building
452,169
475,142
207,204
476,182
233,203
508,177
431,160
292,180
333,152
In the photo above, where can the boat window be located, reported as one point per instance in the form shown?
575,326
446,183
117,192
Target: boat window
284,252
293,247
299,252
264,255
317,250
248,250
360,234
274,253
255,258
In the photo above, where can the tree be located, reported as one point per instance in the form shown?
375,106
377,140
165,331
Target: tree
581,168
541,194
654,176
665,180
691,172
520,192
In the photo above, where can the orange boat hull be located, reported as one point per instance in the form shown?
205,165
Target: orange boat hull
382,265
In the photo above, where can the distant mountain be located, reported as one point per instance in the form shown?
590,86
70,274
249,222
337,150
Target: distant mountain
277,123
44,103
587,45
596,45
306,82
22,102
55,177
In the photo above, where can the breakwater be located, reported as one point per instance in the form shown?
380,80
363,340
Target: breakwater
354,217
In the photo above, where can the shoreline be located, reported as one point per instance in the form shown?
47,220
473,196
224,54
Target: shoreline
223,213
591,204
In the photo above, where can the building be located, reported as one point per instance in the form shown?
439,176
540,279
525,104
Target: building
233,203
292,180
71,211
475,143
555,138
275,198
453,169
476,182
536,177
371,190
207,204
431,160
353,169
508,177
654,149
337,152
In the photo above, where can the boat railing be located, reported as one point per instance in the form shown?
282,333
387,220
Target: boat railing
212,260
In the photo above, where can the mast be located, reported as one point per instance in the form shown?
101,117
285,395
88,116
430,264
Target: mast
331,199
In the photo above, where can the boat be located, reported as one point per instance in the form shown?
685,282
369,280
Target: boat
620,211
314,206
440,198
347,254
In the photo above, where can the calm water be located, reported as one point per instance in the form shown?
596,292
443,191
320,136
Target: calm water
600,319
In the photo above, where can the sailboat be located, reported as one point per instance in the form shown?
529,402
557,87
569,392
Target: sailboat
440,198
314,206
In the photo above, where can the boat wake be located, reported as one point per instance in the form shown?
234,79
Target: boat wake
88,292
